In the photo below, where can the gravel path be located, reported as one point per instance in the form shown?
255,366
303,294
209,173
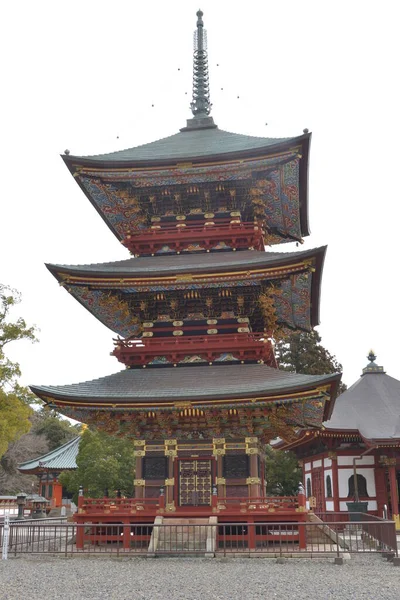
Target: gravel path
362,578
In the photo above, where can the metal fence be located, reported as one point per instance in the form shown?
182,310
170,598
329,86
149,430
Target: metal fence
306,539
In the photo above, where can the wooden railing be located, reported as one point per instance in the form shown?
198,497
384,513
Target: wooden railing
218,340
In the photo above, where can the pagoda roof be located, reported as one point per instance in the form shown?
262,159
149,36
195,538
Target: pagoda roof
191,144
297,273
63,457
212,262
161,387
371,406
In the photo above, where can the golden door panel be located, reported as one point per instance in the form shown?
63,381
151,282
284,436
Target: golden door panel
195,482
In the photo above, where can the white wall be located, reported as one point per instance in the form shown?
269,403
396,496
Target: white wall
348,460
344,476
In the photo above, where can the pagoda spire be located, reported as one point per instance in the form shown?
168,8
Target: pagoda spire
200,104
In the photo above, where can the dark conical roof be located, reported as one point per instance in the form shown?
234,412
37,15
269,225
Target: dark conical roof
371,405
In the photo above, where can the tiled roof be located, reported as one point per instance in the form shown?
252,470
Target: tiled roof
191,263
371,406
60,458
187,145
194,383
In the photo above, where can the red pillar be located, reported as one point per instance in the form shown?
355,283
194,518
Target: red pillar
335,482
394,494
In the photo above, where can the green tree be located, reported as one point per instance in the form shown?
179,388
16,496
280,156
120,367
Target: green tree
14,399
57,431
104,462
303,352
283,473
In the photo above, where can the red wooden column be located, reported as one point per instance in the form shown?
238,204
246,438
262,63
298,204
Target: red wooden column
140,452
381,486
394,494
335,481
254,481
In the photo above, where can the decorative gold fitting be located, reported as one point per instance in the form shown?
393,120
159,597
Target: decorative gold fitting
332,455
171,453
252,451
212,331
212,321
220,481
218,441
170,481
139,442
170,442
219,451
177,323
139,482
300,509
253,480
251,440
139,453
147,324
170,507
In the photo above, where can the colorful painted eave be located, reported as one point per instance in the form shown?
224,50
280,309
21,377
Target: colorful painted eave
197,155
91,284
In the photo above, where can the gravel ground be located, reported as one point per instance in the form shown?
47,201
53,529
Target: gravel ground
363,577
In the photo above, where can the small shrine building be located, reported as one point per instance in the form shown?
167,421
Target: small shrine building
48,468
356,456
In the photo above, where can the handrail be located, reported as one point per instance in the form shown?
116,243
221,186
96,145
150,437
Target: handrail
218,339
160,229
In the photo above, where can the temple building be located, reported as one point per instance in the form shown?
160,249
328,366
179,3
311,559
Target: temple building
356,456
196,310
48,468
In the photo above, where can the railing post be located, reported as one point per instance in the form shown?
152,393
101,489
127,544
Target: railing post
161,500
6,533
251,536
214,497
302,535
80,532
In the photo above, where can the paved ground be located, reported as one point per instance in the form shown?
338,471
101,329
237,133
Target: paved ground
42,578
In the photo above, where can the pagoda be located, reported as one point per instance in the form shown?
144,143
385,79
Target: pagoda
196,310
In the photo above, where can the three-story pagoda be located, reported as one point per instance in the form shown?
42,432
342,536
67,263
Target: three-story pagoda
197,306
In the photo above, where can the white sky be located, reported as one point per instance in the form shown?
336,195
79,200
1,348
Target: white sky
83,75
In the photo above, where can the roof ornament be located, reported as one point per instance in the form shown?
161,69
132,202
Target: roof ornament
371,366
200,105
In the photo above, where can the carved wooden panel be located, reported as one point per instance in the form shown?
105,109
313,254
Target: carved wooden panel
155,467
237,491
236,467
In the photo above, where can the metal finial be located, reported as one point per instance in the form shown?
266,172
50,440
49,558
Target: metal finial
372,367
200,104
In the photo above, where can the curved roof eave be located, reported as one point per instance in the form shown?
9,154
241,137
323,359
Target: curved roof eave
69,449
137,385
230,146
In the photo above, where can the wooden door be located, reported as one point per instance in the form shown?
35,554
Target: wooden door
318,491
195,482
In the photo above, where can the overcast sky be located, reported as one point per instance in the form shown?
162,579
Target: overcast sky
84,75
